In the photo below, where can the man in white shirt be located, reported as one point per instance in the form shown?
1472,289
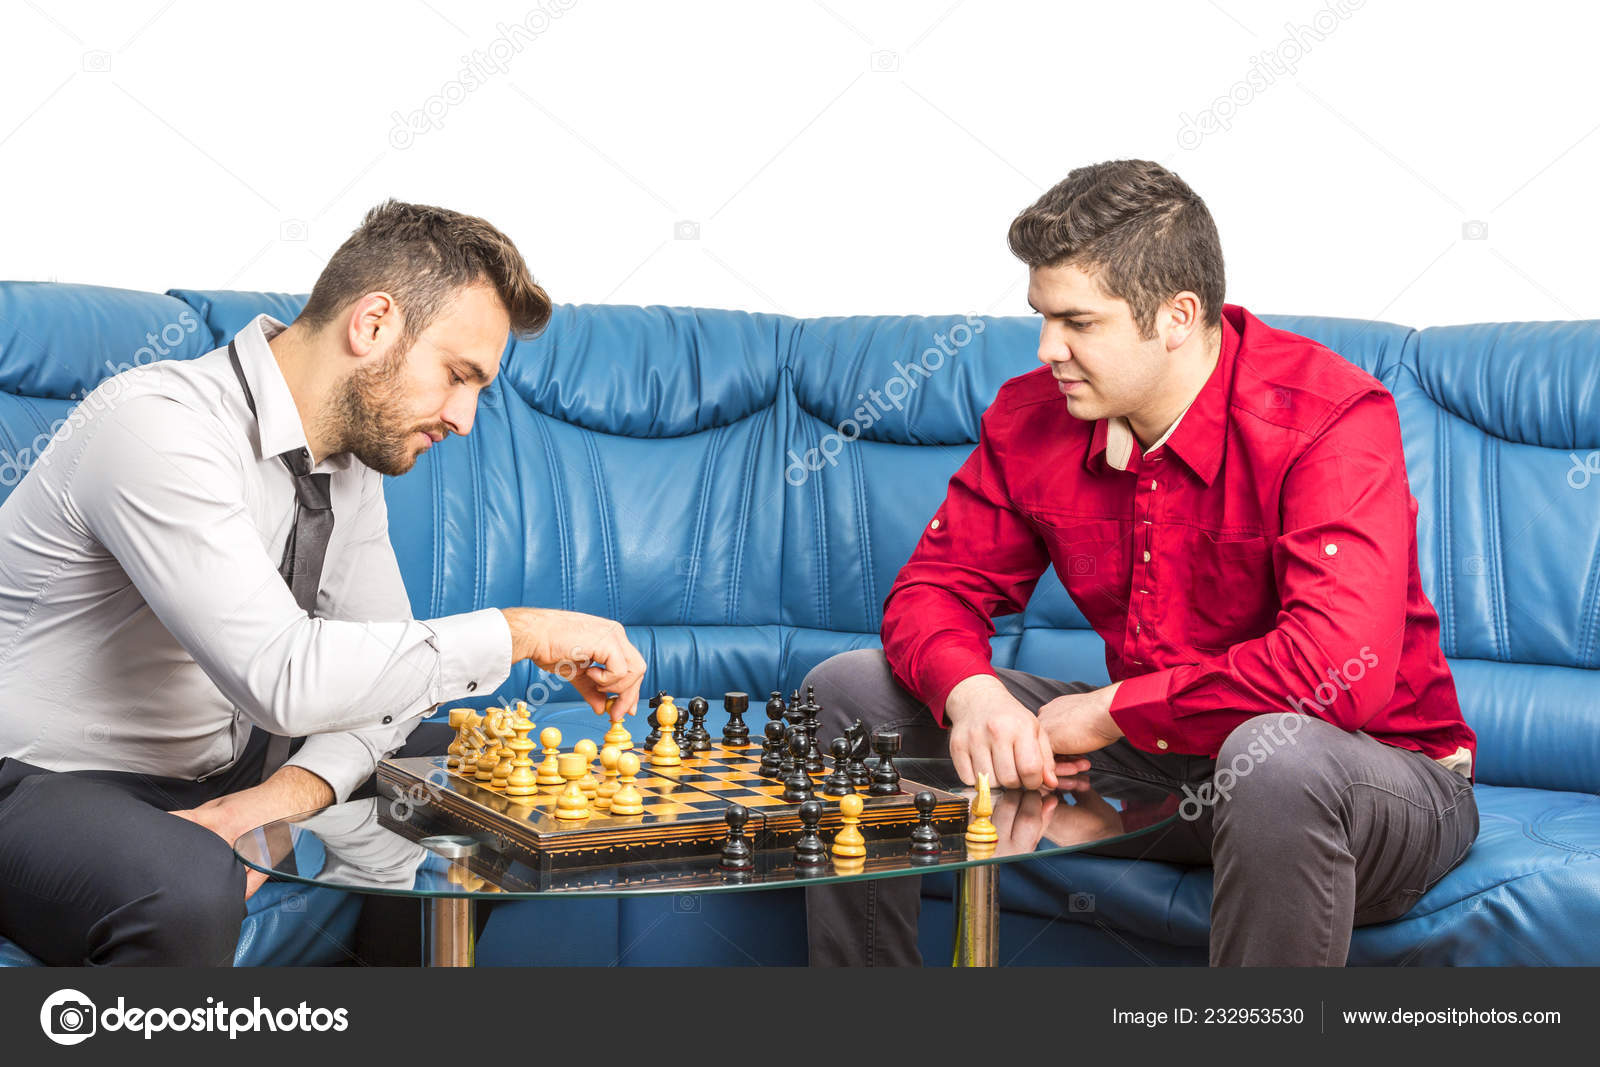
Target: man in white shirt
202,623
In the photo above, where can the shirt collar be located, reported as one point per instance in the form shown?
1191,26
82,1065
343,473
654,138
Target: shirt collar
1198,433
279,428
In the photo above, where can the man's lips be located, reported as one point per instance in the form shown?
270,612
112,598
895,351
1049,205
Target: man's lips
1070,385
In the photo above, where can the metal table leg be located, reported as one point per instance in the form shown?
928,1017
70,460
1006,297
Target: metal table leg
977,917
447,939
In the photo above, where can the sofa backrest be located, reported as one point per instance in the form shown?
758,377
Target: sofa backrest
740,489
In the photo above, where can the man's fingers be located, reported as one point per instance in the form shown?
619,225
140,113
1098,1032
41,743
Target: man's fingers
1025,757
962,760
1005,767
1047,759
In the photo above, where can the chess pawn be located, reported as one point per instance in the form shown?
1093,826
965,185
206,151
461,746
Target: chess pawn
617,735
697,738
980,831
572,804
626,800
772,751
838,784
489,756
848,842
736,852
550,769
522,782
608,785
797,783
809,849
925,836
666,752
587,783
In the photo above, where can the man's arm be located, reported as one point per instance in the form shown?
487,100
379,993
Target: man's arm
978,557
160,488
1342,566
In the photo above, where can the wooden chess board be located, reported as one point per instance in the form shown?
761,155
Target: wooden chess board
683,811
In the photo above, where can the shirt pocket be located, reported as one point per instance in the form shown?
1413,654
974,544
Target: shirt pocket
1232,589
1091,559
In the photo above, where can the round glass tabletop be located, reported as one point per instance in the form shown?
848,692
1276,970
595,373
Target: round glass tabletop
388,845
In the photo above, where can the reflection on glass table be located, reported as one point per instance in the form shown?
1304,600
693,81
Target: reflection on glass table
385,845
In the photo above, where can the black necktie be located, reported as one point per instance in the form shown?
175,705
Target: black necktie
307,546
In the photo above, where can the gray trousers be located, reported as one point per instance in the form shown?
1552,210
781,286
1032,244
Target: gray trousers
1327,831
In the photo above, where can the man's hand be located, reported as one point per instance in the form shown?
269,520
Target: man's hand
992,733
290,791
1079,723
596,652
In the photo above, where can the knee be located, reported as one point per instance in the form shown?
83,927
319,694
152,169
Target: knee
842,681
1287,766
193,921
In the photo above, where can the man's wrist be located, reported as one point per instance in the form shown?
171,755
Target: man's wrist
967,692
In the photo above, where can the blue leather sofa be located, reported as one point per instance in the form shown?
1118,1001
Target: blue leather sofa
652,464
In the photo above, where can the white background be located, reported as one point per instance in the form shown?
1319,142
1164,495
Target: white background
811,158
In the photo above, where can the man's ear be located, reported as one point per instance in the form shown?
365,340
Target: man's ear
373,318
1183,318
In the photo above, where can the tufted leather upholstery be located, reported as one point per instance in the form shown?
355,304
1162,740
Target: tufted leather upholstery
650,464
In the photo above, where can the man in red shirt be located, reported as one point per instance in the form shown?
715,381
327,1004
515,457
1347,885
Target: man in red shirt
1227,505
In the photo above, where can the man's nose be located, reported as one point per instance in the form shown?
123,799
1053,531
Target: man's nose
459,413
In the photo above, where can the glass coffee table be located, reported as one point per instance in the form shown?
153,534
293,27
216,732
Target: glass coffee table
367,846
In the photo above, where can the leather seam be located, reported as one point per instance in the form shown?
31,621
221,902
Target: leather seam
602,504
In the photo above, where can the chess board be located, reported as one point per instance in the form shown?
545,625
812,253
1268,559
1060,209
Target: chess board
683,811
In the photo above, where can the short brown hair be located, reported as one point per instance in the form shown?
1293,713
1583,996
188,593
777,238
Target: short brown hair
1138,225
421,255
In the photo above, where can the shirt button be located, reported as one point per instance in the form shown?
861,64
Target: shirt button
387,719
1330,550
934,525
1147,557
1162,745
1153,484
1137,628
472,687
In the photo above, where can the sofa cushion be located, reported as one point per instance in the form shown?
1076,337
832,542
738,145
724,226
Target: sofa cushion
1528,892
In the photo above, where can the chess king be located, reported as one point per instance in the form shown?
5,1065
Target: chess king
204,622
1227,505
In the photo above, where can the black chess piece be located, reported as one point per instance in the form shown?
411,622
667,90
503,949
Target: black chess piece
655,727
797,783
697,738
924,835
860,744
680,729
786,764
737,855
838,784
775,706
736,733
885,777
809,849
772,751
809,712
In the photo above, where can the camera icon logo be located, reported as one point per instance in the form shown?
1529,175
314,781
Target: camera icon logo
1081,565
1080,902
1475,565
1278,398
68,1017
1474,230
686,904
97,733
291,230
97,61
686,230
884,61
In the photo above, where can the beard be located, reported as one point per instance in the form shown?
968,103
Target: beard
366,416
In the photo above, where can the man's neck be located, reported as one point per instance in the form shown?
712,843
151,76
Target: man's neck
1190,373
300,366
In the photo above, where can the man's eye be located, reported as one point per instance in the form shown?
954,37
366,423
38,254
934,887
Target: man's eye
1079,325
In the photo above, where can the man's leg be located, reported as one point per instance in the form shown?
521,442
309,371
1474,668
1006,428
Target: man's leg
90,873
874,923
1321,830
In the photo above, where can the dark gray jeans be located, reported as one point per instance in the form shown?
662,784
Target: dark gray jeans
1329,831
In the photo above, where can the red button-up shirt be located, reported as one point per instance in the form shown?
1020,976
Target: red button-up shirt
1262,560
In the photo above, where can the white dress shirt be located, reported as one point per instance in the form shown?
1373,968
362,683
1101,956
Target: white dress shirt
143,623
